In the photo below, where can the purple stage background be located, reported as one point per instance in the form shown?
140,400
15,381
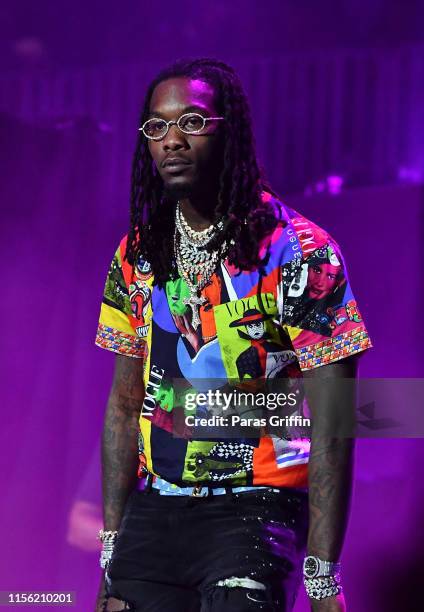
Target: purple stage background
328,101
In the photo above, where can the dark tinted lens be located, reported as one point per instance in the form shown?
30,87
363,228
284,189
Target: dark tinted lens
155,128
191,122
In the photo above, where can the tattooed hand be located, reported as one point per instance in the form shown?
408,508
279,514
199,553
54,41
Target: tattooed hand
329,604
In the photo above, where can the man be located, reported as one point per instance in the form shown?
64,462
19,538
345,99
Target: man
223,521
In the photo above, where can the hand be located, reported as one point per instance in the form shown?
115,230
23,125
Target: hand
185,327
336,603
113,604
101,595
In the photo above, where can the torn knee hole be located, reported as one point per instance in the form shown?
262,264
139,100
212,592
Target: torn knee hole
115,605
246,583
255,591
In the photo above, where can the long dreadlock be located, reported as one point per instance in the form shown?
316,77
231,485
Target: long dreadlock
247,219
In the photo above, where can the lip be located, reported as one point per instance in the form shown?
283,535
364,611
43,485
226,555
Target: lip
175,162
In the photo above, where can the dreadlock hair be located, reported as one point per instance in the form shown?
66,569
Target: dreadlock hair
247,219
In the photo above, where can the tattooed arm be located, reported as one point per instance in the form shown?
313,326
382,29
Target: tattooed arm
332,403
120,442
120,438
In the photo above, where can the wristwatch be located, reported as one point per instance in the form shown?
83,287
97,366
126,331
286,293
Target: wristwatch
313,567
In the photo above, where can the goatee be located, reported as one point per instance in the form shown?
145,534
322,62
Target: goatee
178,192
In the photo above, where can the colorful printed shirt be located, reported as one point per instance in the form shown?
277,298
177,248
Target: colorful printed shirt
295,313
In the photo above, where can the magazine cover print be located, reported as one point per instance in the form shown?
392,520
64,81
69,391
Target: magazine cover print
252,345
318,307
305,289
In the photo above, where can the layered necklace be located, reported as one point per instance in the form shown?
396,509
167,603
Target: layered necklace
193,259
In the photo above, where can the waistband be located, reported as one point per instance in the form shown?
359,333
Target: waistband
161,486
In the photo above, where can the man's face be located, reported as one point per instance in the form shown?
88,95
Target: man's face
322,279
197,157
255,330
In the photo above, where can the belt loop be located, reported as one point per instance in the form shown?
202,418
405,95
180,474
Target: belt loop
197,490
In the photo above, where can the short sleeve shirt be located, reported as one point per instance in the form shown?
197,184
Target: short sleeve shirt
295,313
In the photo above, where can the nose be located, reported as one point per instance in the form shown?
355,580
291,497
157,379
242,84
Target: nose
174,140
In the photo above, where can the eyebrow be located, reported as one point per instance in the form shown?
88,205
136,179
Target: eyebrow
188,109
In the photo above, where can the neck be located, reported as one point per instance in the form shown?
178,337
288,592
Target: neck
198,212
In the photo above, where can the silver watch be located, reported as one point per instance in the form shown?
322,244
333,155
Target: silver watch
313,567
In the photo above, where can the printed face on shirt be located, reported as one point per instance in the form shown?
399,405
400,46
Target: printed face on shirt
322,280
255,330
201,155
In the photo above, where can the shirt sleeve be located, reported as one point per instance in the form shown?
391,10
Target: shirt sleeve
319,311
118,327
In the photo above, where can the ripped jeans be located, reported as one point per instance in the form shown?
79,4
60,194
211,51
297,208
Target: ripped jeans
237,552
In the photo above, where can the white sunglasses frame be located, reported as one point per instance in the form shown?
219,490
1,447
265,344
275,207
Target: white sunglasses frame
172,122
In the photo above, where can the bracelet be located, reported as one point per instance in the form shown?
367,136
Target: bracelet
108,539
105,536
322,587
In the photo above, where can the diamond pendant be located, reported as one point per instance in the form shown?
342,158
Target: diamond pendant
195,302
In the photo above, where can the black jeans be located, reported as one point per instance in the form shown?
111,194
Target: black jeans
185,554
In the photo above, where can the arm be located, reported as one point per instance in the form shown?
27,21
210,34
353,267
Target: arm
120,438
331,462
120,443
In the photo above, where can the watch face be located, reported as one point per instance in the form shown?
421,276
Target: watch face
310,567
